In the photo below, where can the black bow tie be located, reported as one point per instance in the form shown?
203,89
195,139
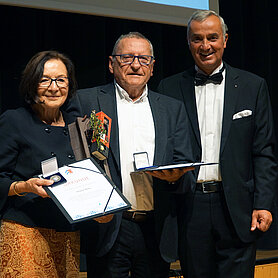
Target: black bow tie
201,79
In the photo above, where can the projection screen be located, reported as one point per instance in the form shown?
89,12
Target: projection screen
174,12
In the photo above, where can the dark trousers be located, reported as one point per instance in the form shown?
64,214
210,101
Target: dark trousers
208,245
135,254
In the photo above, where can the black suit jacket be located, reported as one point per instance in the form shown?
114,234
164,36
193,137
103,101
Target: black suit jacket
24,142
247,162
172,144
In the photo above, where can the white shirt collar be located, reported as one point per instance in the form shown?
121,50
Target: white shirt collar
122,94
215,71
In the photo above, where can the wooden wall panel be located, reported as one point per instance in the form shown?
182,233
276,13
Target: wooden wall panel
266,271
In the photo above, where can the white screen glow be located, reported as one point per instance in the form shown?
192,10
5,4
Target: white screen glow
197,4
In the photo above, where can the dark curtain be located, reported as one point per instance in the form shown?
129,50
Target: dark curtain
88,40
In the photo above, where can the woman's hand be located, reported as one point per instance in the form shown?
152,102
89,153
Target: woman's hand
104,219
33,185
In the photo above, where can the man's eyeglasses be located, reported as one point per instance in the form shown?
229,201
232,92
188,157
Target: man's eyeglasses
128,59
61,82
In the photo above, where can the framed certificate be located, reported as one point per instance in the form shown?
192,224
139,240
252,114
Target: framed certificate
87,192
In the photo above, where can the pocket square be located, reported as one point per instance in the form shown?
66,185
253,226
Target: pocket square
242,114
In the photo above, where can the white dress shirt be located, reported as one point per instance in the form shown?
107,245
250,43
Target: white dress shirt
210,103
136,134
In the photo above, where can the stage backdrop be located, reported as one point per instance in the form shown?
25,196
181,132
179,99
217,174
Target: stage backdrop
88,40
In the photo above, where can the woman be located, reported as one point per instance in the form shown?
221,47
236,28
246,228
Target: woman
36,240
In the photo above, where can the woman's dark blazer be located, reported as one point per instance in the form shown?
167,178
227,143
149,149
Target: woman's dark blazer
24,142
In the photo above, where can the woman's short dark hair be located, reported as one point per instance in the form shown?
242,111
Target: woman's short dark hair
33,73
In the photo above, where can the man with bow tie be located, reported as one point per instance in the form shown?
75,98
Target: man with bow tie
230,115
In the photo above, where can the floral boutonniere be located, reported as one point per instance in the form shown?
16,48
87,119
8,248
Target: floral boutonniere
98,134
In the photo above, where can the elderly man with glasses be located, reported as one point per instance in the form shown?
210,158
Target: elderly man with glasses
142,241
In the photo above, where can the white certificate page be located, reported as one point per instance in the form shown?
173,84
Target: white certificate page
87,192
